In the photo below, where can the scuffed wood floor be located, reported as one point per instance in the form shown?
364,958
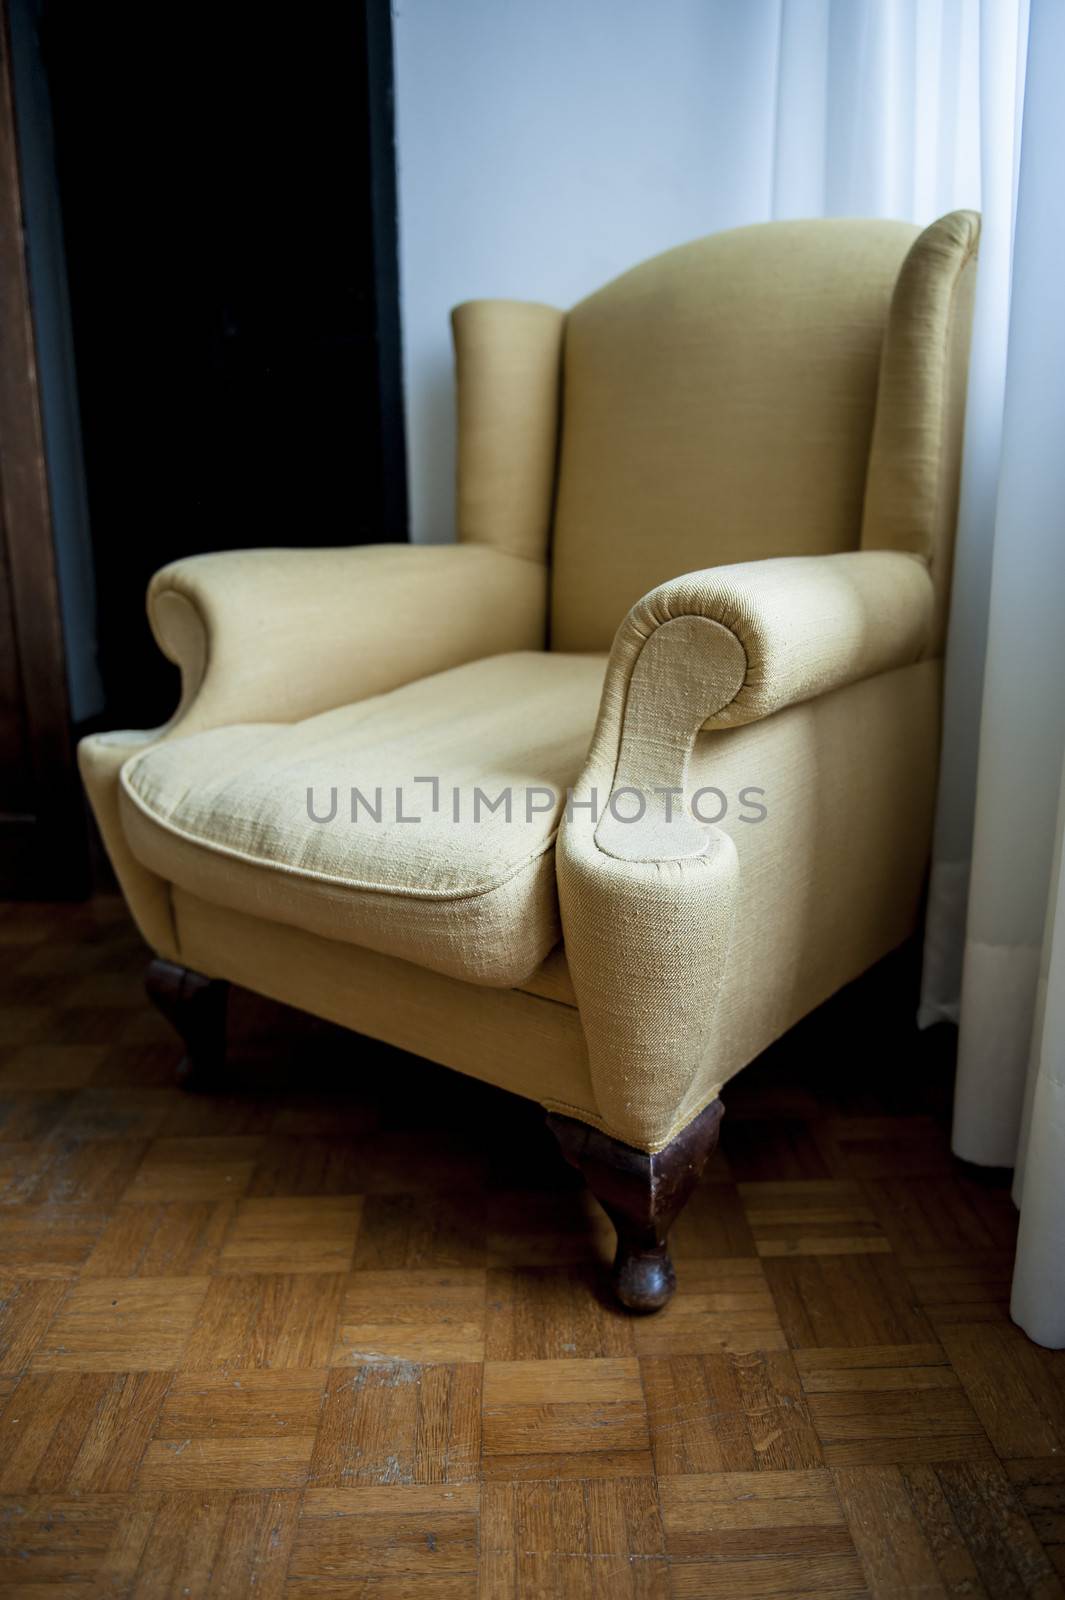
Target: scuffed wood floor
340,1329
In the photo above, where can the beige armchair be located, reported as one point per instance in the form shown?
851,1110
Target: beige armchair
598,802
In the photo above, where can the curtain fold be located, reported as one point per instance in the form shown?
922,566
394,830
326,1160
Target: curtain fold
911,108
1009,1098
1002,38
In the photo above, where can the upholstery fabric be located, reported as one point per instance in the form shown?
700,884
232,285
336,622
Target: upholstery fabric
718,405
685,969
268,635
508,376
528,1044
411,870
772,414
911,495
286,633
731,645
832,880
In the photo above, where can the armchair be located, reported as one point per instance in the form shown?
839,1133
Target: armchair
598,802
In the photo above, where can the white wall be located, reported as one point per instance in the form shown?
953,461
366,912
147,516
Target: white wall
544,146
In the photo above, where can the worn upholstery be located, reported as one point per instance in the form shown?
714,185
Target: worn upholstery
735,470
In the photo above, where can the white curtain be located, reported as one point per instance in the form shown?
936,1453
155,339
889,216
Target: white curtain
910,108
1010,1097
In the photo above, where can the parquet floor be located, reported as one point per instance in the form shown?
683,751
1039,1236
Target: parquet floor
340,1330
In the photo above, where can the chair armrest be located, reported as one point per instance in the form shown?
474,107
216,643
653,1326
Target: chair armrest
277,635
648,908
734,644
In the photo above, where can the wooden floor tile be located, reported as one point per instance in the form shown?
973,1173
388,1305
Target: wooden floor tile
258,1404
21,1165
860,1300
179,1239
549,1229
849,1368
549,1313
212,1543
43,1067
256,1546
411,1316
1016,1388
274,1320
27,1307
345,1327
728,1413
712,1226
1039,1485
799,1577
87,1173
86,1025
537,1408
934,1216
292,1235
720,1304
746,1515
956,1528
194,1169
829,1218
895,1424
413,1531
52,1544
78,1430
403,1231
590,1537
116,1113
954,1288
399,1422
274,1463
122,1325
49,1241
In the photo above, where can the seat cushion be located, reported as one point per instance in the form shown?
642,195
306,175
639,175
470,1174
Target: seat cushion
454,885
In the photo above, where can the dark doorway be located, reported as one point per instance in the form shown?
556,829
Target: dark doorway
227,180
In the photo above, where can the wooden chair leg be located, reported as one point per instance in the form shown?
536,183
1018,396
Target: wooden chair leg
196,1007
642,1195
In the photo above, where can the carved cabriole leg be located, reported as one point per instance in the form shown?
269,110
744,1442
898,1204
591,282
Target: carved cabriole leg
196,1007
642,1195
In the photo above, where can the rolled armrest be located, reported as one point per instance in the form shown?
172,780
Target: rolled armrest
278,635
734,644
648,909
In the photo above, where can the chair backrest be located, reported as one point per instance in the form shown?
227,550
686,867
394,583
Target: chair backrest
790,388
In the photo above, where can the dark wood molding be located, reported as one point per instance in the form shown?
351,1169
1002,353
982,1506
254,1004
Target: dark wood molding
384,208
642,1195
43,849
196,1007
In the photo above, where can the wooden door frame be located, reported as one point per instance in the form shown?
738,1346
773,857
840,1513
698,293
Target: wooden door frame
43,853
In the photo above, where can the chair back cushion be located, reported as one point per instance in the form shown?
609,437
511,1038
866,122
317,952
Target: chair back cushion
717,406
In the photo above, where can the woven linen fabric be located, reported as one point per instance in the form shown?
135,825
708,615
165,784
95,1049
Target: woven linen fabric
774,415
526,1044
274,635
465,889
911,495
286,633
508,371
718,403
686,969
649,907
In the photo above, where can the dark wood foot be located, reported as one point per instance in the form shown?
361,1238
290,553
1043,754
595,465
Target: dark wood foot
642,1195
196,1007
